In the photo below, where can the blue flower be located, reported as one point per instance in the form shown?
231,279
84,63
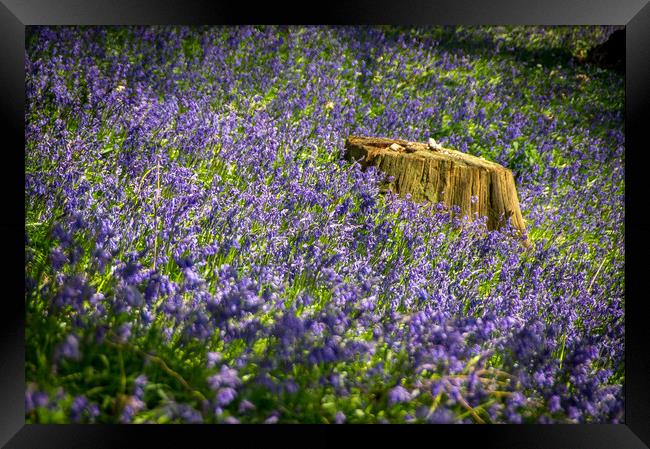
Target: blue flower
398,394
69,348
245,406
225,396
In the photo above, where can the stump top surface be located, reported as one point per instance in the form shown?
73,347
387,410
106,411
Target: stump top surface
417,150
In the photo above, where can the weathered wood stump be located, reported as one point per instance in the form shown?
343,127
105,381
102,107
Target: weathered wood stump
432,173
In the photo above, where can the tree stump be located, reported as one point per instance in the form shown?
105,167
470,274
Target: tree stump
432,173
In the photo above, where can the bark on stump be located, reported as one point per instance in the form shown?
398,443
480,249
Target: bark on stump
432,173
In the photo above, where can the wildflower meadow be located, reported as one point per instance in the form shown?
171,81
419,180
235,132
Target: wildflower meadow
198,251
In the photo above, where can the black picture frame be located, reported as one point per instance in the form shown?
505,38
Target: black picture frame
16,14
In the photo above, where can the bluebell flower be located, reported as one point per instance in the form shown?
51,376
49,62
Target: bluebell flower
138,386
34,399
273,419
226,377
189,414
245,405
58,259
213,359
69,348
83,410
123,332
225,395
398,394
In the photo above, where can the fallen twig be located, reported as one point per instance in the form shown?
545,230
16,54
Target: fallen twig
162,364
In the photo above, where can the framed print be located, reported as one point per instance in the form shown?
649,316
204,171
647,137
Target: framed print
375,222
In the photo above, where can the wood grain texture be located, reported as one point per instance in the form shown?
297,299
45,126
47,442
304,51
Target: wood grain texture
442,175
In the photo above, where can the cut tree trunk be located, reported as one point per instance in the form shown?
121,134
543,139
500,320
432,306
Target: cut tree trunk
429,172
